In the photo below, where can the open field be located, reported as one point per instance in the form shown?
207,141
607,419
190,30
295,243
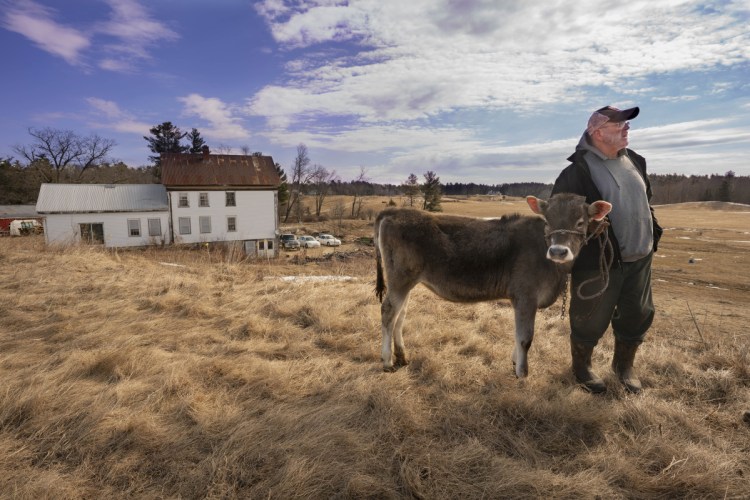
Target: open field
170,373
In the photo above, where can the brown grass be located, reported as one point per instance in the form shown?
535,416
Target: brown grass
122,376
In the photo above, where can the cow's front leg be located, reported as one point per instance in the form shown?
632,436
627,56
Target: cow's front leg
525,314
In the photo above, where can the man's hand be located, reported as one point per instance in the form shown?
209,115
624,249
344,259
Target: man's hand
597,227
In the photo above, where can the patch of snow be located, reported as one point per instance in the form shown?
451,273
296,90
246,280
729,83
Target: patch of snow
310,279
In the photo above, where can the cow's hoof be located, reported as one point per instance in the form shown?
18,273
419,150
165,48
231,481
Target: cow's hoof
390,369
400,362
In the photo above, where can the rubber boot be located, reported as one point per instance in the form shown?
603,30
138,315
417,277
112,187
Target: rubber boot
622,364
581,354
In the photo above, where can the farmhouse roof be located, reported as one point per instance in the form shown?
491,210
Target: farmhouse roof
208,170
80,198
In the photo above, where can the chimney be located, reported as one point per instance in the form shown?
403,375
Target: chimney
205,152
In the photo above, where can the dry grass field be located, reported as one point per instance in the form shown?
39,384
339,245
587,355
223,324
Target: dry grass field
175,373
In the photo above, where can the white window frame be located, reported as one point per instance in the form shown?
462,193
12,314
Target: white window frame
203,200
233,199
184,201
184,229
153,226
231,223
134,228
204,224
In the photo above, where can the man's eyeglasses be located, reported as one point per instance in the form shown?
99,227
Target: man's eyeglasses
617,125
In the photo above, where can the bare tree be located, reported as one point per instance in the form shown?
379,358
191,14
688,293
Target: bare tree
358,188
321,179
62,150
300,177
224,149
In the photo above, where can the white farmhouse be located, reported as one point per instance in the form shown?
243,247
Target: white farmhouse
223,198
116,215
203,198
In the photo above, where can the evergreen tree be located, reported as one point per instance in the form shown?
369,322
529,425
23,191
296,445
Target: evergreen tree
196,141
411,188
165,138
432,192
283,188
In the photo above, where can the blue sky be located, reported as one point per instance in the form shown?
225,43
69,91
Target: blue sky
481,91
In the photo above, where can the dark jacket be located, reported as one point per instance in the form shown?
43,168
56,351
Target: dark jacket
576,178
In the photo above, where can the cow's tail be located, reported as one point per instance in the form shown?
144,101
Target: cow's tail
380,280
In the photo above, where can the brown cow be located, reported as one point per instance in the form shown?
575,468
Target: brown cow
521,258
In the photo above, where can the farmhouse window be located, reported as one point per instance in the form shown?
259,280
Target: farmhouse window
203,201
184,225
231,201
184,200
134,227
205,224
154,227
231,224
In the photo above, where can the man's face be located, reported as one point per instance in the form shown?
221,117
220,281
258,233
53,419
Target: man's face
615,134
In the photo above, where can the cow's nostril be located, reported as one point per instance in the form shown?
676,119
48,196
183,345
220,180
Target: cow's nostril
558,251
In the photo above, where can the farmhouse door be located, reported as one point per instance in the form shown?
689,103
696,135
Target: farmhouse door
92,233
265,248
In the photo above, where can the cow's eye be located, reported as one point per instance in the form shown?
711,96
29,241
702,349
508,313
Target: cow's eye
580,223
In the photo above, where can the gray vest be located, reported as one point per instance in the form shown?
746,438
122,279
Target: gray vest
620,183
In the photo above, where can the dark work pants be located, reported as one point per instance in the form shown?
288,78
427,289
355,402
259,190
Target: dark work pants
627,303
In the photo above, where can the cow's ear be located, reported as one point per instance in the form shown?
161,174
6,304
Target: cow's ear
537,206
599,209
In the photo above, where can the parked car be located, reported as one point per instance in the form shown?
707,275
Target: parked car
308,242
328,240
289,242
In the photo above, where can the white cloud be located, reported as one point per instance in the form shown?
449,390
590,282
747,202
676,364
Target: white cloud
115,118
35,22
223,125
424,57
130,25
136,31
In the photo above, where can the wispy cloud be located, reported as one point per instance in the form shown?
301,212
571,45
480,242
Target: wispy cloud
109,115
135,33
223,125
417,59
37,23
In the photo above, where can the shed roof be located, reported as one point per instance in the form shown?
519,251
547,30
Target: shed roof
79,198
16,211
202,169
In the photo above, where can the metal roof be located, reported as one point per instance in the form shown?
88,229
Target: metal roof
79,198
206,170
15,211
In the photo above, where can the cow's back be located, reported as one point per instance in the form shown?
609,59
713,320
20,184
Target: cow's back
464,259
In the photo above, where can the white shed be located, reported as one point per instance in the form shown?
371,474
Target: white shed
115,215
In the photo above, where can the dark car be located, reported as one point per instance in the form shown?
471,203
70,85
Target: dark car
289,242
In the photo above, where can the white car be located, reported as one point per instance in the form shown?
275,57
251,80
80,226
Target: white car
308,242
328,240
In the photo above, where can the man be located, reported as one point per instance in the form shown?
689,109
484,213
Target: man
602,168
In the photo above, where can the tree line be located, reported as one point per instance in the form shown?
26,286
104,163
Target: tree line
55,155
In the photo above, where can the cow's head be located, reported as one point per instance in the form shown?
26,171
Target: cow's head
568,216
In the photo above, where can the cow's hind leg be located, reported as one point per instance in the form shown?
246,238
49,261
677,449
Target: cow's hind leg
398,336
525,315
392,319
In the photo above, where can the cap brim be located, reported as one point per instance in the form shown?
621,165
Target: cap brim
619,115
629,114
